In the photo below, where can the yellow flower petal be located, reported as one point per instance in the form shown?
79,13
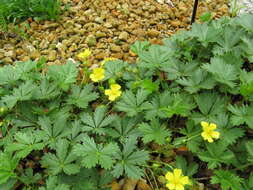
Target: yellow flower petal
212,126
107,92
169,176
185,180
209,139
115,87
204,124
177,173
170,186
179,187
215,134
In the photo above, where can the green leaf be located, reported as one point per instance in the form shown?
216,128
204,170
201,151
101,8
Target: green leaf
114,69
64,75
63,160
227,179
22,93
246,21
93,154
188,169
81,97
8,164
129,160
28,177
216,154
97,123
205,33
139,46
217,68
123,128
197,81
46,90
179,104
155,57
26,143
241,115
133,104
154,132
53,184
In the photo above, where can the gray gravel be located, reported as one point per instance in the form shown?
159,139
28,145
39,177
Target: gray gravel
246,6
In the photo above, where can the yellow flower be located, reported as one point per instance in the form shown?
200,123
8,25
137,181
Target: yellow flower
85,54
176,181
208,131
107,59
113,92
97,74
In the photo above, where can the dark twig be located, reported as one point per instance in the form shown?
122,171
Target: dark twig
195,7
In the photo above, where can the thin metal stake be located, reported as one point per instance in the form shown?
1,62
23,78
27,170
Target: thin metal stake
195,7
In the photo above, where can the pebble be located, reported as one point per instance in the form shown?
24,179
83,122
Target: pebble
123,36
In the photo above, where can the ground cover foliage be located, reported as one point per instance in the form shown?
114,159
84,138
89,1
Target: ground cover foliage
15,11
184,105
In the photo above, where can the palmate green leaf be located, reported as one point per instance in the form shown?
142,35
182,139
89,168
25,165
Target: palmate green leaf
53,184
97,122
23,92
217,68
8,75
179,104
28,177
26,143
229,38
227,179
241,114
64,75
188,169
139,46
81,97
54,129
248,48
123,128
8,164
93,154
204,33
155,57
210,104
216,154
175,69
246,21
249,149
192,138
198,80
129,160
158,103
63,160
154,132
133,104
114,69
46,90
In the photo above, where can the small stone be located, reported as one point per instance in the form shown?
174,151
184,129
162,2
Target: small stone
108,25
99,20
101,55
10,54
153,33
123,36
115,48
52,55
7,60
91,40
51,25
100,34
35,54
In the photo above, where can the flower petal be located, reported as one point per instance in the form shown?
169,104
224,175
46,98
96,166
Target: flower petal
107,92
170,186
212,126
179,187
215,134
204,124
169,176
177,173
185,180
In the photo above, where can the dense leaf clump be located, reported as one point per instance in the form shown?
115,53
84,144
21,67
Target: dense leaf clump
59,130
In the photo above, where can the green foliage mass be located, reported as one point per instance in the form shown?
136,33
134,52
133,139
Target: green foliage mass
62,132
19,10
